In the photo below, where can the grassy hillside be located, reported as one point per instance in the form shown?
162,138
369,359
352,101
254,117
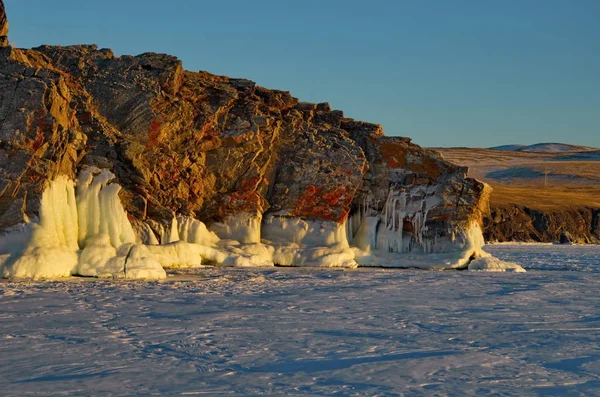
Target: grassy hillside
537,180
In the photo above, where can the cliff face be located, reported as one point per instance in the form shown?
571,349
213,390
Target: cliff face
200,144
213,148
511,222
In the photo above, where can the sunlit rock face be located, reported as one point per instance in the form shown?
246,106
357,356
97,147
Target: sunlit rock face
252,164
3,26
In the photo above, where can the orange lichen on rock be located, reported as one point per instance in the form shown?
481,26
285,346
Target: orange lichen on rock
330,205
340,194
393,154
154,132
250,183
249,202
427,166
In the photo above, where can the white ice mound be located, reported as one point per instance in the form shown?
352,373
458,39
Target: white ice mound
109,246
245,228
299,242
178,254
492,264
141,264
46,248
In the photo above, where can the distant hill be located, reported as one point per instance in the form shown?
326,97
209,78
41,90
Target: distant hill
544,148
592,155
510,148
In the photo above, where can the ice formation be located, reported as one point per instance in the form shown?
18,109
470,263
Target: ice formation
397,236
86,234
195,232
100,210
372,230
85,231
242,227
48,247
299,242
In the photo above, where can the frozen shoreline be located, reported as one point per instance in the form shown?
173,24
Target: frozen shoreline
535,258
84,230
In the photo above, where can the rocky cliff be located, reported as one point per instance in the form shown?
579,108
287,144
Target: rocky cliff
250,162
513,222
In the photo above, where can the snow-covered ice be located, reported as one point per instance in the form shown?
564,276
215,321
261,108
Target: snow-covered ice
579,258
312,332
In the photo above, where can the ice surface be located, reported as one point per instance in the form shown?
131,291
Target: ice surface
312,332
552,257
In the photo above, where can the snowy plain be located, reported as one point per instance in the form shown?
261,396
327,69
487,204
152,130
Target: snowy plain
312,332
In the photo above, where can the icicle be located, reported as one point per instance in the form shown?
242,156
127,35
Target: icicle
149,236
394,213
401,230
114,220
100,210
172,234
373,233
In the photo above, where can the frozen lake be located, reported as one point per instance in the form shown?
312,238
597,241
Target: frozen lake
578,258
312,332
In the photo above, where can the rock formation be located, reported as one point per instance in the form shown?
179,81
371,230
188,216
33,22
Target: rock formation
250,162
513,222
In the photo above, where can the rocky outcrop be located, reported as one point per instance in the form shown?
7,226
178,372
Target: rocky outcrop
215,148
512,222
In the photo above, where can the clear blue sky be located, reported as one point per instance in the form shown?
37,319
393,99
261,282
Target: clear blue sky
446,73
